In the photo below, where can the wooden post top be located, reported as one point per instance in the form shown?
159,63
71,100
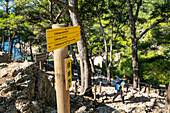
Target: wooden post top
58,25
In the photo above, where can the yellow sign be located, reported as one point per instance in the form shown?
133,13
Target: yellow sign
62,37
68,73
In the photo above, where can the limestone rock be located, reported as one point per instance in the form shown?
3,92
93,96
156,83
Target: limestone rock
11,95
27,90
82,109
20,77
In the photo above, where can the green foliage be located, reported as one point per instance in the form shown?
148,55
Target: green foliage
125,67
31,18
156,70
114,72
161,9
161,35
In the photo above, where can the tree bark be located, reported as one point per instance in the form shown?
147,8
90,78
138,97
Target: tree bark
3,43
22,51
82,48
31,51
50,11
7,12
135,67
9,40
92,61
7,8
92,65
12,41
167,103
75,60
108,75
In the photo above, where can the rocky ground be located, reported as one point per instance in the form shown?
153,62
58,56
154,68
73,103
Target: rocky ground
136,101
23,88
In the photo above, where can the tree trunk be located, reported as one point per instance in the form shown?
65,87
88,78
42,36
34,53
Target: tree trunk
167,103
25,52
21,51
135,67
19,44
23,47
106,50
9,40
7,8
50,10
92,61
82,48
31,51
108,76
3,43
92,65
75,60
12,42
136,77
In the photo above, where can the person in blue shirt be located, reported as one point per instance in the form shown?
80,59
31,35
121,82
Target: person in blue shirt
121,86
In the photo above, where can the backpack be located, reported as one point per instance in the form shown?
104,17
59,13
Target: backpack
118,81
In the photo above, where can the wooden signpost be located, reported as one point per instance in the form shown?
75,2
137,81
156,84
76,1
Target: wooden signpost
58,40
40,58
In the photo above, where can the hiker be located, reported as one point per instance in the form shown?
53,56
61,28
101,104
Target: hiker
120,86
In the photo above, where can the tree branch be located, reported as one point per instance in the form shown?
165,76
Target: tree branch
116,33
152,26
130,9
111,44
131,19
101,11
45,19
58,15
64,5
134,1
104,35
111,50
137,10
43,8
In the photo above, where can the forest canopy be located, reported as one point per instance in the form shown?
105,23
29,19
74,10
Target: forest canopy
132,36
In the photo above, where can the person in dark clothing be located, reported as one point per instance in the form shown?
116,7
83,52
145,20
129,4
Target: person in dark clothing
121,87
